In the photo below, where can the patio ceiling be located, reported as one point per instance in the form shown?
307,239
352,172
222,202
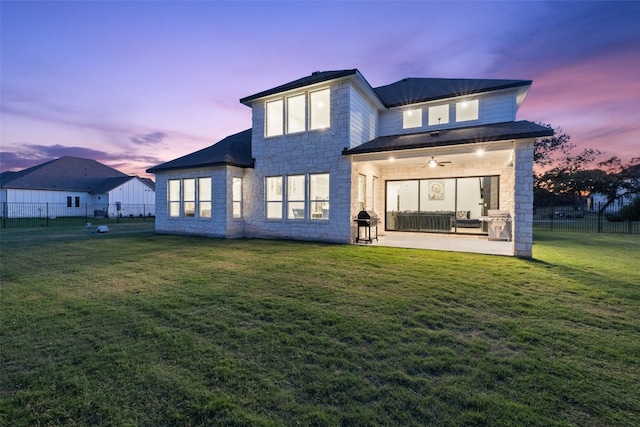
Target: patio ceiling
467,153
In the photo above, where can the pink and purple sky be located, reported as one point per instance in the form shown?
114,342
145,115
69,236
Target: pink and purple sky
135,84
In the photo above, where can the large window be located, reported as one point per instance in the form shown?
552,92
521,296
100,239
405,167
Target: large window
443,205
274,197
412,118
438,115
296,114
293,116
204,197
319,196
295,197
320,111
275,118
237,197
188,197
174,197
467,110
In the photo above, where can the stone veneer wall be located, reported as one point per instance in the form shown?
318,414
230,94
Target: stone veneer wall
523,203
304,153
216,226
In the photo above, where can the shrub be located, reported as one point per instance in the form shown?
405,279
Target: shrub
630,212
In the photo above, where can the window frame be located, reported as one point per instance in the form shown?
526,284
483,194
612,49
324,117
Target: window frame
274,126
362,192
236,197
411,120
273,197
431,113
290,118
206,199
171,202
462,105
317,206
325,113
299,203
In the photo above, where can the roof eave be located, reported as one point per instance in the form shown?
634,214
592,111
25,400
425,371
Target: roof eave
155,170
516,84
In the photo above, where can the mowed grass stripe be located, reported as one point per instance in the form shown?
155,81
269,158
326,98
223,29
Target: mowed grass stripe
133,328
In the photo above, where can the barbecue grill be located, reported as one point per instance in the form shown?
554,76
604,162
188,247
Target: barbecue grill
499,224
367,220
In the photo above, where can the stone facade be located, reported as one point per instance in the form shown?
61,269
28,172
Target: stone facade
356,116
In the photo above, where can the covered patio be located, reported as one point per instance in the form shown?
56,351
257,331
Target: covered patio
451,243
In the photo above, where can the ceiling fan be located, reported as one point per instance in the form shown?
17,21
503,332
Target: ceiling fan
433,163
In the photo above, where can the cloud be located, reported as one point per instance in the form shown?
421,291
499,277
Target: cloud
153,138
33,154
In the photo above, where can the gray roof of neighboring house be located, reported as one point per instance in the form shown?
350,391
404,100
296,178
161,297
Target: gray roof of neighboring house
234,150
414,90
446,137
66,173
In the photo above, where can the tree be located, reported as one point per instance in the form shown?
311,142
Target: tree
559,172
615,181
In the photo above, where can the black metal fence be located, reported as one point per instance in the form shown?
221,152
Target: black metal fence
22,214
582,219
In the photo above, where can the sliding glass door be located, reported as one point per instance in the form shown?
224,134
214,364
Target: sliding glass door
443,205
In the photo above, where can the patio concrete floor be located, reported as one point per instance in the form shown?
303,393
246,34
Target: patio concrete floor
440,242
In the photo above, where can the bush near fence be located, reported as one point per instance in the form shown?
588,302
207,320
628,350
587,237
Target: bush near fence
582,219
21,214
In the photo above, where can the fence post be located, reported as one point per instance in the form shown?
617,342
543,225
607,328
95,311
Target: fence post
144,213
46,211
553,215
5,210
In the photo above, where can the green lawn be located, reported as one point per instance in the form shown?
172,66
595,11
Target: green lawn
133,328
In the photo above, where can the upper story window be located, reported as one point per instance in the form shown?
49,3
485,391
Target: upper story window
275,118
467,110
438,115
320,109
412,118
296,114
291,115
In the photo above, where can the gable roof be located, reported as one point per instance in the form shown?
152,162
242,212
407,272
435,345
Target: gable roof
457,136
66,173
316,77
234,150
414,90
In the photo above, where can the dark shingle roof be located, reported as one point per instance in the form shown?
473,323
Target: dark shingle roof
65,173
473,134
234,150
317,77
413,90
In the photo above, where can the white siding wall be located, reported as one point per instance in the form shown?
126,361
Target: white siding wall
135,196
494,107
364,119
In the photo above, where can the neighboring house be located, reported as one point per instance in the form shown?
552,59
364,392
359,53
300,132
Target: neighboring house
71,186
427,155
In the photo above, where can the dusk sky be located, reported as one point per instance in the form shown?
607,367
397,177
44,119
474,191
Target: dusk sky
135,84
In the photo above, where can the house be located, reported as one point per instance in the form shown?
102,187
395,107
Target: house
72,186
427,155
